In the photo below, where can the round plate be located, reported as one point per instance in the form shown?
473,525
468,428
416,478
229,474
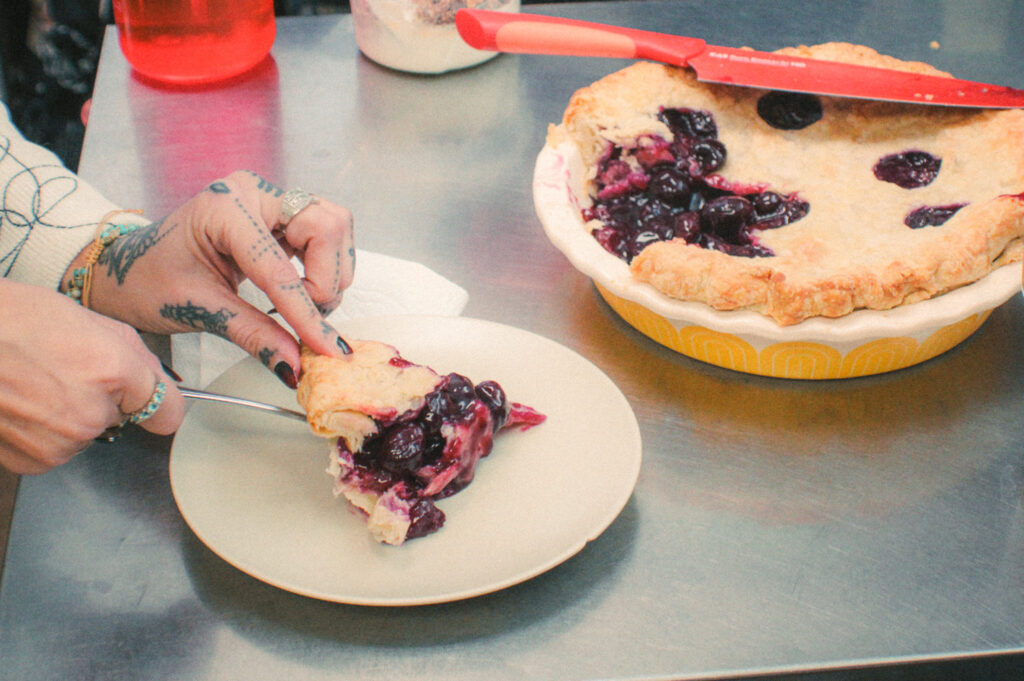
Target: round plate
252,485
861,343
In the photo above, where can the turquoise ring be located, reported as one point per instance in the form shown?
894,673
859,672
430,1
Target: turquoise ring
151,406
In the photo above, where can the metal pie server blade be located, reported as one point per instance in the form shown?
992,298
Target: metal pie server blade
241,401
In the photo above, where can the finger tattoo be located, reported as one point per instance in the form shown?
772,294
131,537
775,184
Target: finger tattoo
265,243
266,186
199,318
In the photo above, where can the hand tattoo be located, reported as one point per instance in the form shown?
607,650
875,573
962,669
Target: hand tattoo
122,253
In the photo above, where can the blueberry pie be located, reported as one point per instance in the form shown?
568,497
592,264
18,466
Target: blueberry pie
402,435
794,205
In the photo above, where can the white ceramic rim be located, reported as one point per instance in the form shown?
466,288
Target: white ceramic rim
557,185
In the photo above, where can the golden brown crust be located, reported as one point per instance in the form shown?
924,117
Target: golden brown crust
860,54
346,396
852,250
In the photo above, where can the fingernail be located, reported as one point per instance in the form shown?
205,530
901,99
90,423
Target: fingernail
345,349
171,372
285,373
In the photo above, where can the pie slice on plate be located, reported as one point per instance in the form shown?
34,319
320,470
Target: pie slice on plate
402,435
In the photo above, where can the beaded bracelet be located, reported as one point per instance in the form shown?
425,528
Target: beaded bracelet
80,284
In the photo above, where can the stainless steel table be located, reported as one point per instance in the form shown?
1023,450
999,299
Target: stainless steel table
777,526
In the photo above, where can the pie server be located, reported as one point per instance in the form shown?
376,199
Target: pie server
241,401
534,34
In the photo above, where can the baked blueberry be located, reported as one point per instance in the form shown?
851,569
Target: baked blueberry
908,169
789,110
931,216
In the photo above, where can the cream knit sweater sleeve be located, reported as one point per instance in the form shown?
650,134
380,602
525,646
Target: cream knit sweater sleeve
47,213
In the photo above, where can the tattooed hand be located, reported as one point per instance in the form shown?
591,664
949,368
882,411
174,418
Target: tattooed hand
182,273
67,374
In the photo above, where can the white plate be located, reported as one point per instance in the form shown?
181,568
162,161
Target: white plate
252,486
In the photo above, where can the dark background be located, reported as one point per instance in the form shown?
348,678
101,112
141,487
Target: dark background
48,55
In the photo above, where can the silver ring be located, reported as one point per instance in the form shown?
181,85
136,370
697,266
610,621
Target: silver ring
293,202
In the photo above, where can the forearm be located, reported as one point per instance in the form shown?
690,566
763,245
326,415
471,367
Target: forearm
48,215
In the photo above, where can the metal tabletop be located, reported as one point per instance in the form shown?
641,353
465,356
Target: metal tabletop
777,526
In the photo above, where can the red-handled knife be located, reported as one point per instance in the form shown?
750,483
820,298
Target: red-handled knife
535,34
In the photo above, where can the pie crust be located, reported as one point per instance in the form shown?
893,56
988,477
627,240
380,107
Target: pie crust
367,401
852,250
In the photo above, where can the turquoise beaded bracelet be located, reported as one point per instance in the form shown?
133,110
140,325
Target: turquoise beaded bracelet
80,284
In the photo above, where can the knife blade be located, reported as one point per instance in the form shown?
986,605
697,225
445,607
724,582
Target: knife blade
537,34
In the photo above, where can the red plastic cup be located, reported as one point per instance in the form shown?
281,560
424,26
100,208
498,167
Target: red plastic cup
194,41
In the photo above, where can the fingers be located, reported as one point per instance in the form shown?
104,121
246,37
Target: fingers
321,234
160,408
230,317
66,375
327,254
148,396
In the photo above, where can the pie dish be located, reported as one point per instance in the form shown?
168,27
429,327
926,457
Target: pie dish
861,343
794,206
402,435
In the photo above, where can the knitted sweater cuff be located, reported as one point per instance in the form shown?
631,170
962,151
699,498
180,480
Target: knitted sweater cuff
47,213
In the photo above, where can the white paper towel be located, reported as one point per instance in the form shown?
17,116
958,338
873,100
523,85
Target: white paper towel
383,285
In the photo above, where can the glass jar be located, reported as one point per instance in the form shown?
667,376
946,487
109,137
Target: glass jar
194,41
419,35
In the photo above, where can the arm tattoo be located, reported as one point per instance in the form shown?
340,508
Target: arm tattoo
199,318
122,253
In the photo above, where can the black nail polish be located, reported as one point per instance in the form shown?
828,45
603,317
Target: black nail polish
344,346
285,373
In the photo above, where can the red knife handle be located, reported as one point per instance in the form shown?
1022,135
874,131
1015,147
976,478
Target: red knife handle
536,34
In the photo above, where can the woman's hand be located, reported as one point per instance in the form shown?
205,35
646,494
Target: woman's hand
66,375
182,273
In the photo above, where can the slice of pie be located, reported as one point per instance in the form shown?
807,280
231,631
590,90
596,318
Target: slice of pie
794,205
402,435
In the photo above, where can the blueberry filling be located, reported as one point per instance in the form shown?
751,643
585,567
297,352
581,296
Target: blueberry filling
931,216
431,453
789,110
908,169
413,447
664,190
424,518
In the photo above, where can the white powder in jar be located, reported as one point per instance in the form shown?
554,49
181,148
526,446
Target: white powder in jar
419,35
